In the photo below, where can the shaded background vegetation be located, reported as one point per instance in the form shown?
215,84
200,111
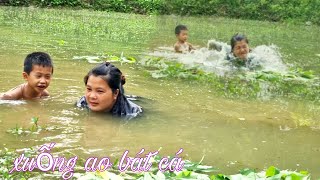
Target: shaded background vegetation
271,10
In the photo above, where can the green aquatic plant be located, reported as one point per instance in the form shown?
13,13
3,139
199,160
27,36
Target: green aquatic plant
191,170
7,158
61,42
34,129
272,173
296,83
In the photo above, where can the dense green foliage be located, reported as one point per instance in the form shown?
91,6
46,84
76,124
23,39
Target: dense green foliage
275,10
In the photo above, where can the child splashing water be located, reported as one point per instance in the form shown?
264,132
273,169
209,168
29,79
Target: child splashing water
224,59
105,93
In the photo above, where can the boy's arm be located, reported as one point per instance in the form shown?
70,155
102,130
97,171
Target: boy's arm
177,48
191,47
45,93
13,94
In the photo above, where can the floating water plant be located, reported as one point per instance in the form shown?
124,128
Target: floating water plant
200,172
192,170
34,129
295,83
106,57
7,158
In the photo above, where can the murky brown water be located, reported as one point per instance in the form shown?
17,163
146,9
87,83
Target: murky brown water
231,134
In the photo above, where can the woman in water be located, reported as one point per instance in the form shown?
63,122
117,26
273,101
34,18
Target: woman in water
105,93
239,50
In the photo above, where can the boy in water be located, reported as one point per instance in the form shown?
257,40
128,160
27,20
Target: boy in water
182,46
38,69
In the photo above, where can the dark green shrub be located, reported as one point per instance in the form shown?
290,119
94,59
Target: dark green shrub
57,2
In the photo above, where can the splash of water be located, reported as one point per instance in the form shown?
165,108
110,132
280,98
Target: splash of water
12,102
269,58
213,58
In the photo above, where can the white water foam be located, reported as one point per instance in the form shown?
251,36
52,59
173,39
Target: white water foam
13,102
213,58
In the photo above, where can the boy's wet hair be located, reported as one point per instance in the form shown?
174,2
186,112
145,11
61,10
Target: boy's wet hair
238,37
37,58
111,74
180,28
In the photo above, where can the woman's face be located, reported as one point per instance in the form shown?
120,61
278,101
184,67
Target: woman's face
241,49
99,95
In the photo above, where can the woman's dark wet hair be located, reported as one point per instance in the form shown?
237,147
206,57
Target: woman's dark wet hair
238,37
37,58
179,28
111,74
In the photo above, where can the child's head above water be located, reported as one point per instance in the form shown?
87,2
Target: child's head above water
40,59
240,46
103,86
181,32
37,71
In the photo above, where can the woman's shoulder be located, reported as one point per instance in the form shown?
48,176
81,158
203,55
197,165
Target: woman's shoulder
126,108
132,109
82,103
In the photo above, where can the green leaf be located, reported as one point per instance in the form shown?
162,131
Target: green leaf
160,176
147,176
219,177
307,74
272,171
304,172
35,120
184,174
295,176
213,177
246,171
115,163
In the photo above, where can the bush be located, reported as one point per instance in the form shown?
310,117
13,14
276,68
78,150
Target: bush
275,10
135,6
58,2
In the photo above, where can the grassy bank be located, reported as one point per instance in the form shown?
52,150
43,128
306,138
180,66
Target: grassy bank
280,10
